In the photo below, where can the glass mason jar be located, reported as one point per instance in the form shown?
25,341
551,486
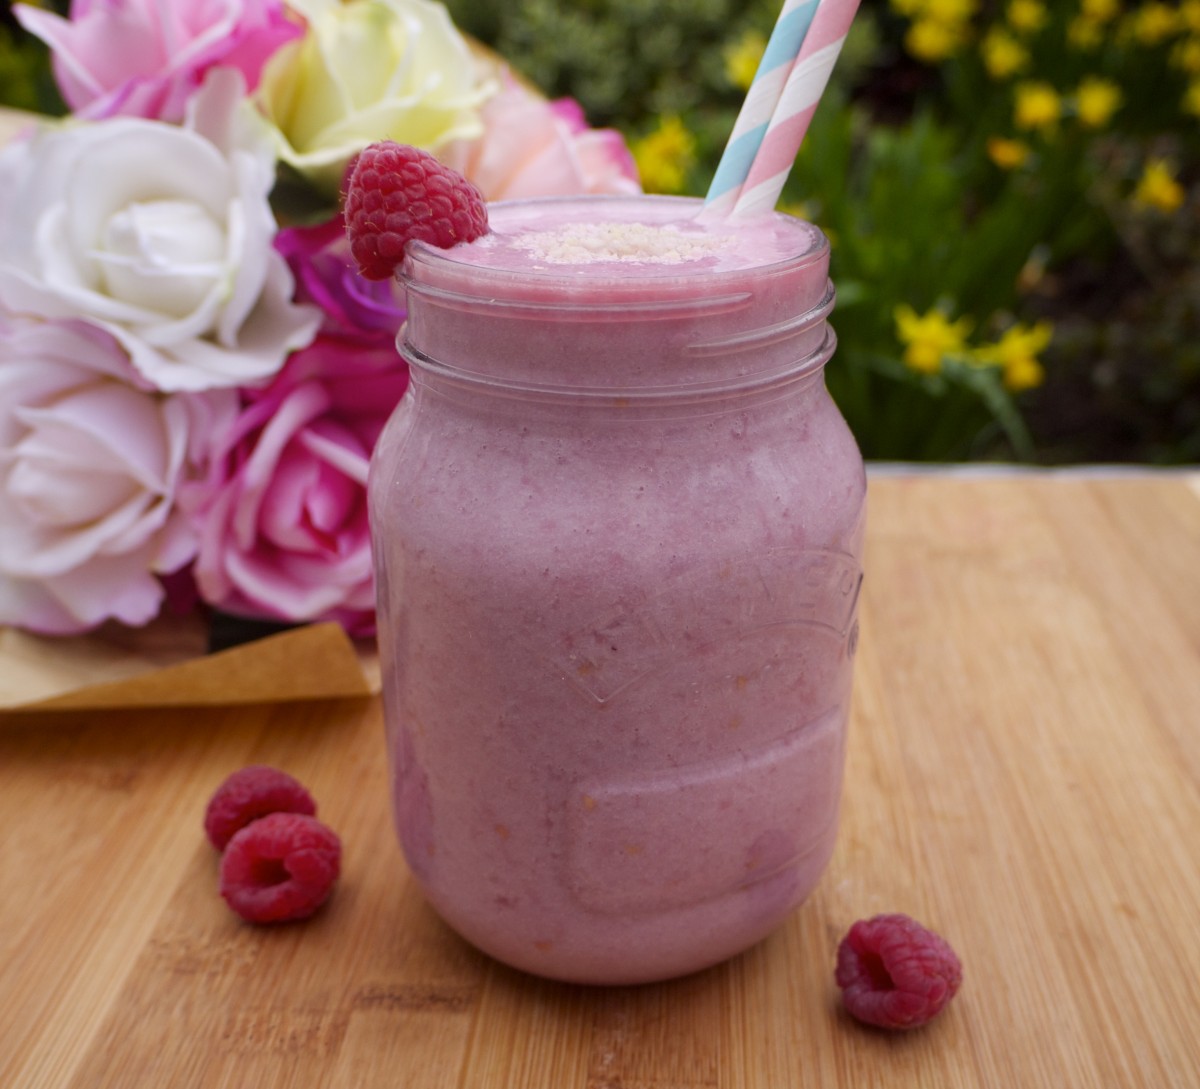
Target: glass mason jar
617,522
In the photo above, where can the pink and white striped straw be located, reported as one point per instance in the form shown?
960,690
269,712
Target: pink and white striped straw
760,154
762,97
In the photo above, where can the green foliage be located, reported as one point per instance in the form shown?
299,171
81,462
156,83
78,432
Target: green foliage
1074,234
626,61
890,200
24,74
902,169
25,79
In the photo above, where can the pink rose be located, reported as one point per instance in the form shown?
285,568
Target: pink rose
144,58
534,148
282,516
90,463
353,308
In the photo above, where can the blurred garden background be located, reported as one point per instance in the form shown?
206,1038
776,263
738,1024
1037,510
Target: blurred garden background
1012,190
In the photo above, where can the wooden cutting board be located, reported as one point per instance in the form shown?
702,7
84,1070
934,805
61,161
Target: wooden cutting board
1023,775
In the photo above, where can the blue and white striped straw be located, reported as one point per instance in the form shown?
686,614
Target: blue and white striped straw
770,79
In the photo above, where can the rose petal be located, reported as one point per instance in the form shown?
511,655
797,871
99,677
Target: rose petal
28,604
147,57
164,254
282,519
64,498
530,147
303,405
344,453
117,587
283,585
89,464
107,426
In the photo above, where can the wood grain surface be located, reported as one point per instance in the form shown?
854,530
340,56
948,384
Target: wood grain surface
1023,776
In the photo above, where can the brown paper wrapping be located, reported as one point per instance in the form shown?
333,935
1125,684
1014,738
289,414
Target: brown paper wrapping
165,665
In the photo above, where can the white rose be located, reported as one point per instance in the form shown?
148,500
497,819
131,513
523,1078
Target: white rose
89,467
159,234
368,70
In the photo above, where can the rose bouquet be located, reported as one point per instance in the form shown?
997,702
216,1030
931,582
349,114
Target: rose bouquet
192,374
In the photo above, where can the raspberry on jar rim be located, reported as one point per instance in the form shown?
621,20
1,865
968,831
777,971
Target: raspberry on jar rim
396,194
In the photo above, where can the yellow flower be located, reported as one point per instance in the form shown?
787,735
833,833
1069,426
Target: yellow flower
933,40
950,11
910,9
742,57
1191,98
1003,55
1189,15
1038,105
1157,187
1007,154
1084,33
1186,56
1100,11
1016,354
665,155
1024,373
1096,101
1027,16
1153,22
929,338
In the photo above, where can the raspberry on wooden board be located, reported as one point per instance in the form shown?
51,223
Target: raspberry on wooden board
894,973
250,793
280,868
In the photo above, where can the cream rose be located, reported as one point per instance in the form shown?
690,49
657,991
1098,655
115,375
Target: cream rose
159,234
368,70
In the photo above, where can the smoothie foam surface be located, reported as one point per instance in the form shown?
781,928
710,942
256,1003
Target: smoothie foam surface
623,237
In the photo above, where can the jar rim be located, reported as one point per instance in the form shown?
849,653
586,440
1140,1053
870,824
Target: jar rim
425,263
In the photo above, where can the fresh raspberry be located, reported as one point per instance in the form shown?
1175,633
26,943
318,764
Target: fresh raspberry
396,193
894,973
280,867
249,794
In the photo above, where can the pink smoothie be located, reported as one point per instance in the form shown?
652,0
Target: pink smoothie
618,526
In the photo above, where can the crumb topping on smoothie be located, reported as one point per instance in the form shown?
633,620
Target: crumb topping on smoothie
584,243
623,240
